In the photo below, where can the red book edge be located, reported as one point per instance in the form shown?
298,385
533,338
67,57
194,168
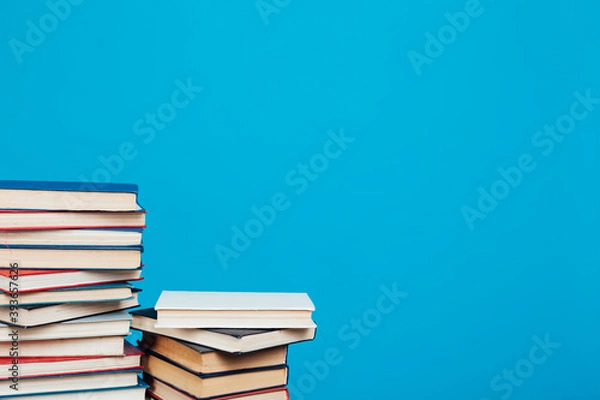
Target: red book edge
130,351
86,372
30,211
29,272
44,228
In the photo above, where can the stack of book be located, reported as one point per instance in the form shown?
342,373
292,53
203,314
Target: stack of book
222,345
67,256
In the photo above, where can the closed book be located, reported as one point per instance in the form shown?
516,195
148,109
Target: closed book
161,391
73,237
31,316
30,367
68,196
115,323
204,360
80,294
137,392
207,386
229,340
40,220
58,383
78,347
79,257
234,310
31,280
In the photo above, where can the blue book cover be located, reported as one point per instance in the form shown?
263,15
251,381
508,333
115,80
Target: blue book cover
95,287
68,196
69,247
107,373
141,386
69,186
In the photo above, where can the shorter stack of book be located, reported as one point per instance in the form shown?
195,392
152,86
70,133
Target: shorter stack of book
222,345
67,256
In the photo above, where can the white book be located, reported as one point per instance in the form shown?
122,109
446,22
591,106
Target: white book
234,310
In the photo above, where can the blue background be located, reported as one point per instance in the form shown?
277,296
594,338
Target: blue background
388,210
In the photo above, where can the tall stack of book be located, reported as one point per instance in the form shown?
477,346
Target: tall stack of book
222,345
67,256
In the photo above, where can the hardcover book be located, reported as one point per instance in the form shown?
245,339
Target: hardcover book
33,280
137,392
58,383
229,340
68,196
203,360
234,310
31,316
41,220
88,257
80,294
35,367
74,237
110,324
77,347
162,391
